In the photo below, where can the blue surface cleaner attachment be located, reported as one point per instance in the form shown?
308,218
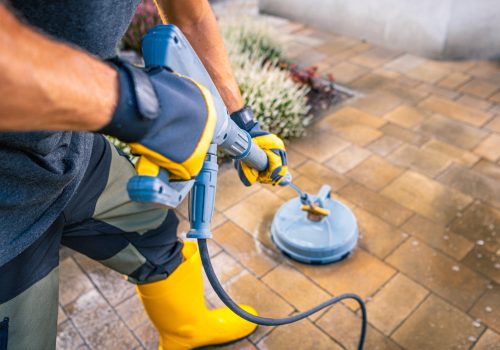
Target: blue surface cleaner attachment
315,239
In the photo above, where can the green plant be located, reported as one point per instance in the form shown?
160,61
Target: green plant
122,146
253,37
279,102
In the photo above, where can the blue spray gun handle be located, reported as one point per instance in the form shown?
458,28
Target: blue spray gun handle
165,45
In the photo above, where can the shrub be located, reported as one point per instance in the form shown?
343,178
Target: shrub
252,37
279,103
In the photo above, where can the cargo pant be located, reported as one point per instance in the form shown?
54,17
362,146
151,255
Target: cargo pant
101,222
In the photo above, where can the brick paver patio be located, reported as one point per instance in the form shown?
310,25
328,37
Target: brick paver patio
416,155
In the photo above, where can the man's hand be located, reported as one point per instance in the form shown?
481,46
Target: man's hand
270,143
166,118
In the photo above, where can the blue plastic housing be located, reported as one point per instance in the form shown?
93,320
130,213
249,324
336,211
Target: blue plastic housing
323,242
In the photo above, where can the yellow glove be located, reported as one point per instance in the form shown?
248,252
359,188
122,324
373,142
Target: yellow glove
272,145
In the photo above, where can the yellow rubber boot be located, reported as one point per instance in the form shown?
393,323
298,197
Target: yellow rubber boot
177,308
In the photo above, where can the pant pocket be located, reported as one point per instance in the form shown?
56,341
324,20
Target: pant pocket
4,333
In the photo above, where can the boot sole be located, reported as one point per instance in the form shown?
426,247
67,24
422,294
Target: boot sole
225,344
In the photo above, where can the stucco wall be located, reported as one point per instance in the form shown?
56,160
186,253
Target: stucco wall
431,28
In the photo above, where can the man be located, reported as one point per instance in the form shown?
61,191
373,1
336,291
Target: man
68,185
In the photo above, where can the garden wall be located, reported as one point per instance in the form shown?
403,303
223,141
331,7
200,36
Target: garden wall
446,29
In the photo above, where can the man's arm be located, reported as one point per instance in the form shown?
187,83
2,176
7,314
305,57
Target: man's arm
46,85
197,21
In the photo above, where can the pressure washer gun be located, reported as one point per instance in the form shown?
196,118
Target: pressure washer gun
165,45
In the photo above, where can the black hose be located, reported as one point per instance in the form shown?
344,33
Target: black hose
266,321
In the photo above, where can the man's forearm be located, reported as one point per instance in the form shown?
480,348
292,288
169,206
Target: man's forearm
46,85
197,21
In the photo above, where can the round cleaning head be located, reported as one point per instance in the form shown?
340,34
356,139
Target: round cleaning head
315,242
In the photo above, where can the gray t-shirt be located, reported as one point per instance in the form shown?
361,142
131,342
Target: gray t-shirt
40,171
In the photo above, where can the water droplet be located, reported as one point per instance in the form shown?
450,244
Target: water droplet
477,323
489,286
488,309
459,214
414,243
497,266
472,339
491,227
479,255
456,268
405,235
446,237
480,242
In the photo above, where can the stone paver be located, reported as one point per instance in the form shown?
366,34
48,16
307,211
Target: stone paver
483,261
384,145
425,161
322,174
376,204
348,159
360,273
479,87
489,148
394,303
73,281
444,276
472,183
437,325
378,103
454,80
452,132
375,172
240,244
303,294
426,197
405,135
451,152
377,236
488,341
487,309
475,102
345,72
405,116
488,168
343,325
438,237
304,336
479,222
416,155
319,146
455,110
